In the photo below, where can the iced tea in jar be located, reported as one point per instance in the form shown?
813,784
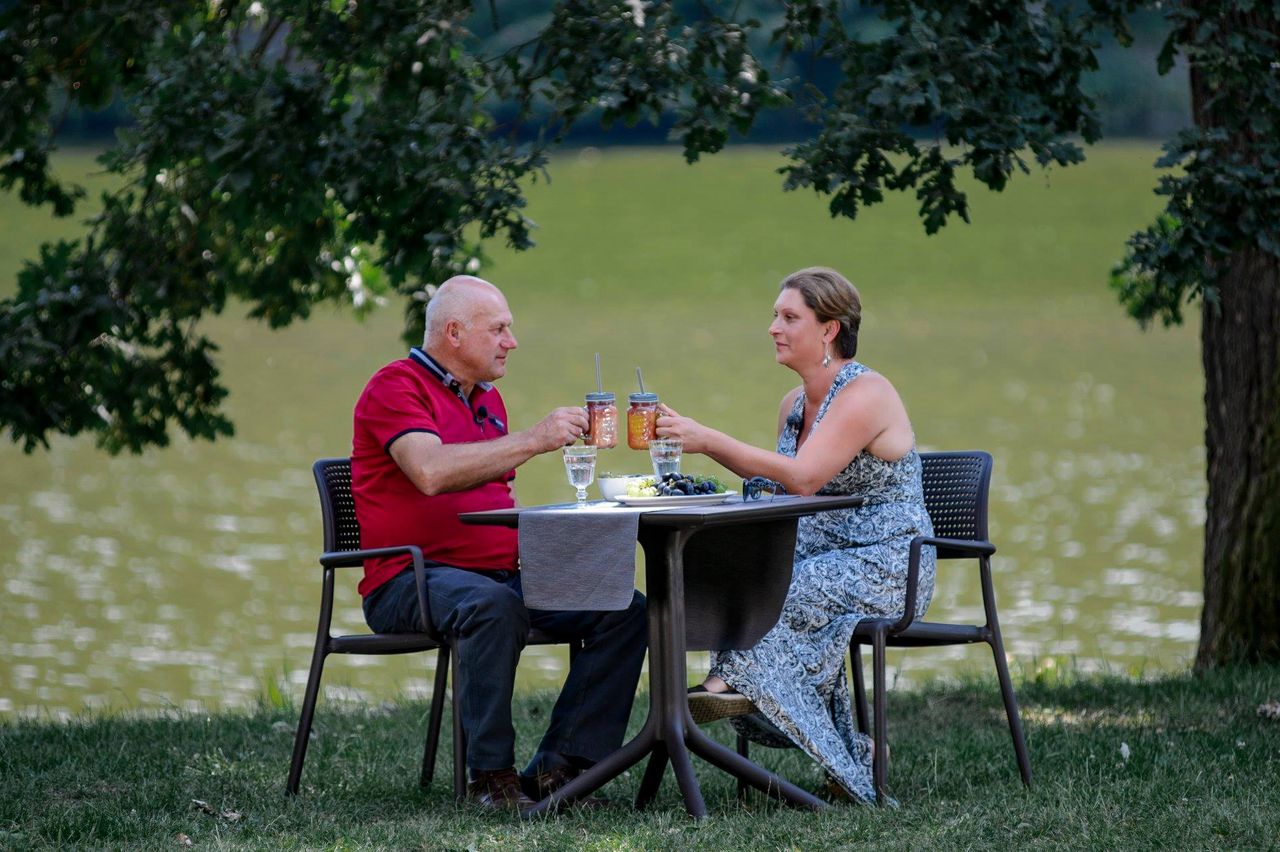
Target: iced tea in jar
642,420
602,414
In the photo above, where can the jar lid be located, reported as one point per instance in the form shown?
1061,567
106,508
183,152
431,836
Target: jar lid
600,396
651,398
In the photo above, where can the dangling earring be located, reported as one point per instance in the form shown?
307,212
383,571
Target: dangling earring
826,355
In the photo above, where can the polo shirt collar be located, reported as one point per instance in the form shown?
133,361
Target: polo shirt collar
436,369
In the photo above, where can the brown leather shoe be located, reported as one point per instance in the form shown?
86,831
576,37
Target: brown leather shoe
498,790
545,783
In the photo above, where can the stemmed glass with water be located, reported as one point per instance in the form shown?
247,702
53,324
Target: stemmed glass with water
580,468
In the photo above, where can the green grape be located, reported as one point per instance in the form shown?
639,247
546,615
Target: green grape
641,488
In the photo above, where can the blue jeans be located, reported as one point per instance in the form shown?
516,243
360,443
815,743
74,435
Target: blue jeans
484,613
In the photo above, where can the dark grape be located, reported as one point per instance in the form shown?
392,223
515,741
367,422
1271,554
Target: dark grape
677,484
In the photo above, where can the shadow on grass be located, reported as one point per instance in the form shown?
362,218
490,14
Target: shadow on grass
1117,761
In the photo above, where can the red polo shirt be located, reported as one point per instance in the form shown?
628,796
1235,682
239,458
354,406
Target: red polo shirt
416,394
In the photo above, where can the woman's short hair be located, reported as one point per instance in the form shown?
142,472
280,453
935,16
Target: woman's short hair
831,297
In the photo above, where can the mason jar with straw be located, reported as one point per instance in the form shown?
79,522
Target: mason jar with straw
642,416
602,414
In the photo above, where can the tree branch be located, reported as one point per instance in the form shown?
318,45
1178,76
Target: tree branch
264,40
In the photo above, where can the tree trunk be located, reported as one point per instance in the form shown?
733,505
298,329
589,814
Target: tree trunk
1240,340
1240,345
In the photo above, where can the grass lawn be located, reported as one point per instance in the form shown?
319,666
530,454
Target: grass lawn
1181,761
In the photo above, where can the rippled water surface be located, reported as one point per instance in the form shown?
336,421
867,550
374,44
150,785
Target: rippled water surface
187,577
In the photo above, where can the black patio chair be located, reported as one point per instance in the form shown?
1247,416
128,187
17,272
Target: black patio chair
956,489
342,550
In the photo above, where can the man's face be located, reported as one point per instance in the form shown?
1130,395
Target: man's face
484,341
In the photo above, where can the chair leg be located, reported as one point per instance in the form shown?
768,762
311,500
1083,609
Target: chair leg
303,736
459,736
1002,671
1011,707
859,685
744,749
436,717
880,761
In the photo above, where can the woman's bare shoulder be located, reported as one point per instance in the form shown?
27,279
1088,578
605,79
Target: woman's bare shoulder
872,381
868,388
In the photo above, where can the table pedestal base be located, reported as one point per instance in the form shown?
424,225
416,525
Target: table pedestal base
669,734
673,745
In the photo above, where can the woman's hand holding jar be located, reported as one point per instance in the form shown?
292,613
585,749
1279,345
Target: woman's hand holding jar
696,437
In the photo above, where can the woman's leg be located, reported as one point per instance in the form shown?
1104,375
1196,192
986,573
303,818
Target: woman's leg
795,674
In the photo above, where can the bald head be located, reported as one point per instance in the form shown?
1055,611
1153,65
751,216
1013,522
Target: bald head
469,330
459,299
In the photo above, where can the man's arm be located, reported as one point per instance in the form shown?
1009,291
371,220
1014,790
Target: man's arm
437,468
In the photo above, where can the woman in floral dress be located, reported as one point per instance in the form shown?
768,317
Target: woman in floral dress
843,431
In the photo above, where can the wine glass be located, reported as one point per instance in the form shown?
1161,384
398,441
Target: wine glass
580,467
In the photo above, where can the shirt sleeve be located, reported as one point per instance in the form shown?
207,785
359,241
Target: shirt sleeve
390,407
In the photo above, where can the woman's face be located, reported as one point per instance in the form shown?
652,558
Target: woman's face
797,334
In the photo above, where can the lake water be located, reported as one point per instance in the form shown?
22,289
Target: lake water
186,577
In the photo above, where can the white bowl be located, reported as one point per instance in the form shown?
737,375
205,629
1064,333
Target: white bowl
612,487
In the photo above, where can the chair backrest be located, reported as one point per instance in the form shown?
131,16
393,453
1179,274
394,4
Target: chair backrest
956,486
337,506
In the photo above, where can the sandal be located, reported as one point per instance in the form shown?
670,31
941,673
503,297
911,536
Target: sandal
707,706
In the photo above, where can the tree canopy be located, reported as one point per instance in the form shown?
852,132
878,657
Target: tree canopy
290,153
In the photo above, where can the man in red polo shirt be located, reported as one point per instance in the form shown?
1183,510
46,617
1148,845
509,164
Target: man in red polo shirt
430,441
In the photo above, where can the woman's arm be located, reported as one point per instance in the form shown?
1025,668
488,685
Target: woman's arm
858,414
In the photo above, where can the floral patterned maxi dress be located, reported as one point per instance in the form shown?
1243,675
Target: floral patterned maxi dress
850,564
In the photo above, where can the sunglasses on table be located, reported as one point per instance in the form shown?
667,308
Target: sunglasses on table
757,487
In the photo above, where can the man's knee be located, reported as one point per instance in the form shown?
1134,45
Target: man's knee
638,606
494,607
634,614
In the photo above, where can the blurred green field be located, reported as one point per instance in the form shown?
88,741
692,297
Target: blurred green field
1000,335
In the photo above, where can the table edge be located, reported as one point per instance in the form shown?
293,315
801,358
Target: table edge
692,515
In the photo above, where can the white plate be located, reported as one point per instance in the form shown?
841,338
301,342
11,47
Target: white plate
680,500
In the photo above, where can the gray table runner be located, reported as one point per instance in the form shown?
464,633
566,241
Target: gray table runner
583,559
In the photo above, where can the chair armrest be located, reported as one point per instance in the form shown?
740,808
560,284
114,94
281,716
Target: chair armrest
976,548
352,558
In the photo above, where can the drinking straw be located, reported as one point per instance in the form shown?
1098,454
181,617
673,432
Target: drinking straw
640,379
599,386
